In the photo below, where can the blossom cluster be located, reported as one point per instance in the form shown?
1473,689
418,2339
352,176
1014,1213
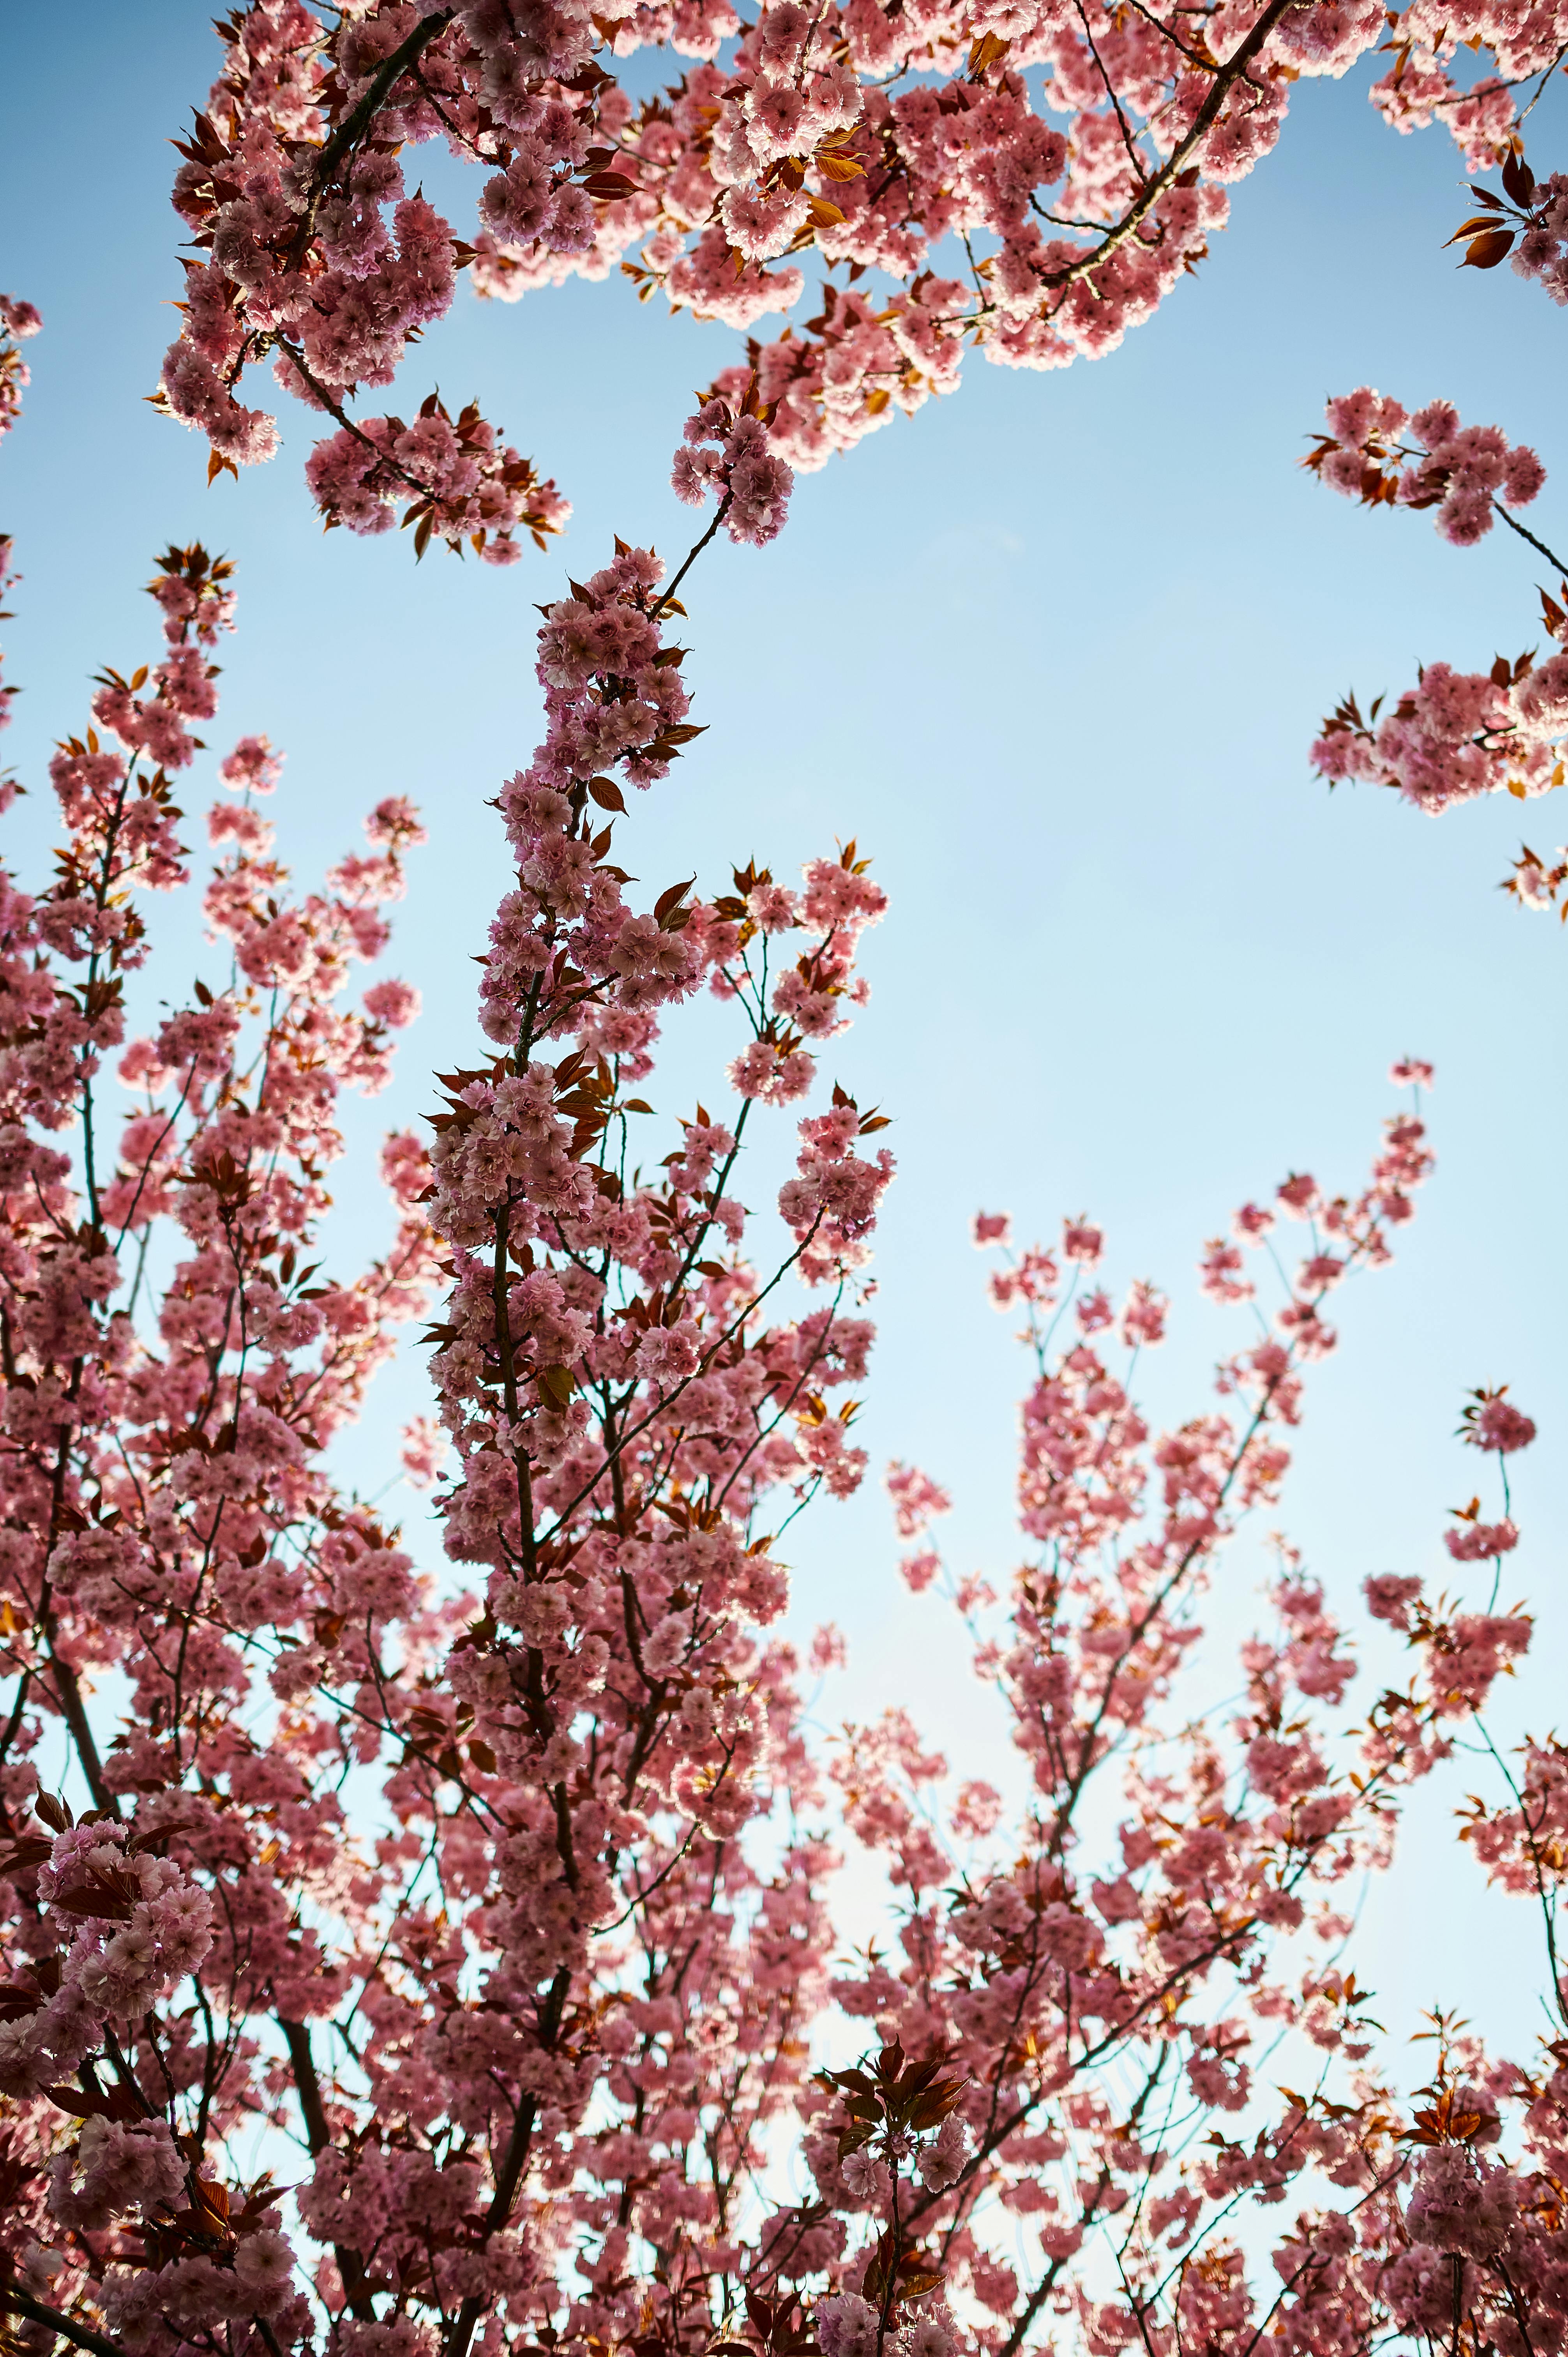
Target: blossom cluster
1079,157
447,475
723,450
120,1929
572,1751
1455,735
1094,1986
620,1414
1531,216
167,1517
1480,110
1536,881
1543,250
1456,2226
18,320
1087,1983
299,263
1463,471
537,2015
538,2003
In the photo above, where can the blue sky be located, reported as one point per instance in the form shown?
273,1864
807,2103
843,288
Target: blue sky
1054,653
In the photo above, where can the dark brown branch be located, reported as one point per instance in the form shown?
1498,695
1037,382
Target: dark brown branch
318,2135
1229,74
336,409
22,2303
70,1693
692,555
509,2177
1128,142
1540,545
354,125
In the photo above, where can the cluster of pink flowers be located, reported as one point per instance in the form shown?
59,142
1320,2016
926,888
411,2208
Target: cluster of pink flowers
1529,219
1060,1995
1543,250
1081,158
724,451
1463,1652
18,320
166,1512
1455,735
1481,110
1536,881
1115,1962
539,2008
1463,471
619,1415
120,1929
1457,2228
447,475
569,1759
576,1750
312,252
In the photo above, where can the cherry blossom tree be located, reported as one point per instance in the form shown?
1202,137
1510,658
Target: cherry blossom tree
412,1962
432,2001
1027,177
492,1924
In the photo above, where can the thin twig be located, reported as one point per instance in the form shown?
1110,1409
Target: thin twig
1230,72
1538,546
692,555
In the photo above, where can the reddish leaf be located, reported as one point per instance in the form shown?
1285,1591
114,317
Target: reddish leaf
1518,180
1485,252
89,2103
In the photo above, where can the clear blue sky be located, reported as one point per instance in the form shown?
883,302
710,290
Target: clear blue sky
1054,652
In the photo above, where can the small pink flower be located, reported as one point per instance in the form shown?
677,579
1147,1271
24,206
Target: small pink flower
1498,1425
395,1003
828,1652
1390,1597
1479,1542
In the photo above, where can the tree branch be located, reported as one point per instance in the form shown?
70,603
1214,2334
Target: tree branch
318,2135
355,125
1514,525
22,2303
692,555
1229,74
